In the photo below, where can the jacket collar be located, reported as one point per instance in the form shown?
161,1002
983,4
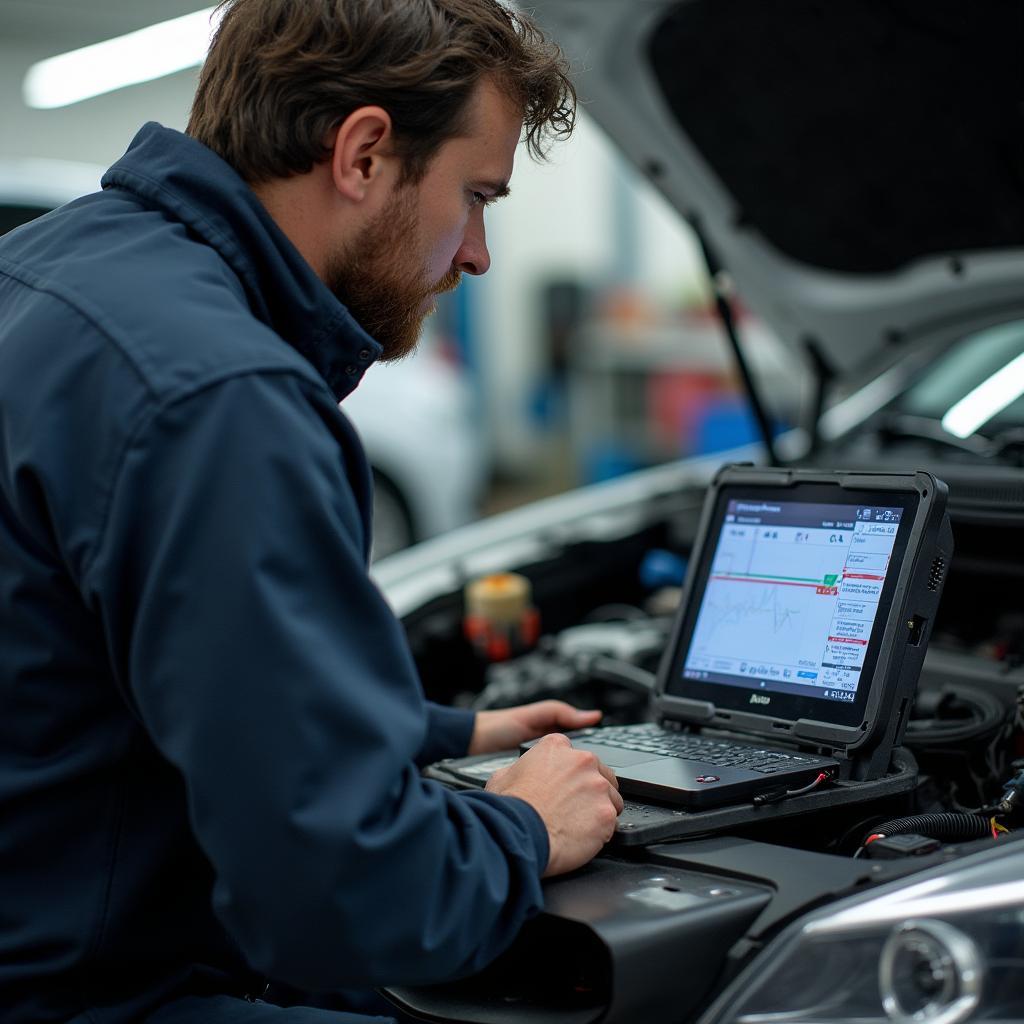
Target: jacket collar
195,186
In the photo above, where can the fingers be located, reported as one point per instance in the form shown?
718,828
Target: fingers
611,832
607,817
576,796
608,773
613,785
557,714
578,716
555,739
616,798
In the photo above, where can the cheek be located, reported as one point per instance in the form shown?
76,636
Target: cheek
445,240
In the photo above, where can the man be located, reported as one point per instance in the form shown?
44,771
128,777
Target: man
210,723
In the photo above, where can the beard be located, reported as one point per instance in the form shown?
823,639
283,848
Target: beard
383,284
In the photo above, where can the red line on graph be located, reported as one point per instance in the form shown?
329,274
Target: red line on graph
770,583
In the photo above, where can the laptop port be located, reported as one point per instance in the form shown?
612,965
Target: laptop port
916,626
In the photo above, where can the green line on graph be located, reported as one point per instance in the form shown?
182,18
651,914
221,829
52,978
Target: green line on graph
762,576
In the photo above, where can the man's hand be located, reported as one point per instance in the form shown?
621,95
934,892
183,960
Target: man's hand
576,796
506,729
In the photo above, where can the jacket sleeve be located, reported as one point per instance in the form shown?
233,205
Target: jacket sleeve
269,670
449,731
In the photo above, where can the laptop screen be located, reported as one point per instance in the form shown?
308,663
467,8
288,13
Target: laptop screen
791,600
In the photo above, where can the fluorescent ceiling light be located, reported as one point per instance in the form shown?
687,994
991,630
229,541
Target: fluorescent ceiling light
140,56
987,400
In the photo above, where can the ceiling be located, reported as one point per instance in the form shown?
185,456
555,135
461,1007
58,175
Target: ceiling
98,129
67,24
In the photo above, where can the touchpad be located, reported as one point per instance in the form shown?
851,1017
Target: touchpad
616,757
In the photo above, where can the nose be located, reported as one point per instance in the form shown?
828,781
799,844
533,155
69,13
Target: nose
472,256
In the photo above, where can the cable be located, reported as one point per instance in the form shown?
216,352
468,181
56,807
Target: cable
934,826
822,776
773,797
960,735
867,842
952,716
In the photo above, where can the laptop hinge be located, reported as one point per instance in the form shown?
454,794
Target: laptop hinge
685,712
807,737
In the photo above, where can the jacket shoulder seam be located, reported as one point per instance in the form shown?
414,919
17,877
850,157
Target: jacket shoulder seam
79,306
223,243
157,409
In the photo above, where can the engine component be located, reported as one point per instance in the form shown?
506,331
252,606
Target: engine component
935,826
500,621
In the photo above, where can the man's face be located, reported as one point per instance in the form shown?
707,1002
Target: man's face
430,232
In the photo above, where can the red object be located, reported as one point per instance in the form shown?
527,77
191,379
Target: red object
531,627
677,401
498,648
501,641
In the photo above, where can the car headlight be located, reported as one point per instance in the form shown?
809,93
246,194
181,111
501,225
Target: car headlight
930,971
942,948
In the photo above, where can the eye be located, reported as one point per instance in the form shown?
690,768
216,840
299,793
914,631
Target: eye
478,199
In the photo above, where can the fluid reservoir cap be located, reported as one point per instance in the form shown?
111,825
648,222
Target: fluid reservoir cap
501,597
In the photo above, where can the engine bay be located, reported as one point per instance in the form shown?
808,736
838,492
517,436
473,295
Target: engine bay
604,607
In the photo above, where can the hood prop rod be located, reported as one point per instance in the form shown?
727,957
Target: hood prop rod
822,381
725,314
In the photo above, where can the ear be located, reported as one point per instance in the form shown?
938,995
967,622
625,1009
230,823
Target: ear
360,146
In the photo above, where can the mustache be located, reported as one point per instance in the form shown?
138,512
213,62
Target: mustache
449,282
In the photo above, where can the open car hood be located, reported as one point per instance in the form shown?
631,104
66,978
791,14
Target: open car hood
857,166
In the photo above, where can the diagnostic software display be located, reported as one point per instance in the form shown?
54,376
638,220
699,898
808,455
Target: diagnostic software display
792,595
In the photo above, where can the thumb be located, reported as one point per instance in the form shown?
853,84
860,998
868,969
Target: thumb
575,718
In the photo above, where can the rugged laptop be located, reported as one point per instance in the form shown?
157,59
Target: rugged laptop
799,640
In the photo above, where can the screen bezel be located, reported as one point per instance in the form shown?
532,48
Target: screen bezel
788,707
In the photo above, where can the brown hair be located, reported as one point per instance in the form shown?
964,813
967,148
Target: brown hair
281,74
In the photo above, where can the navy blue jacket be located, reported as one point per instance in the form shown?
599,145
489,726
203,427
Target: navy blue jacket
210,722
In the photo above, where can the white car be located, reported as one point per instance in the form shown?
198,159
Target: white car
415,417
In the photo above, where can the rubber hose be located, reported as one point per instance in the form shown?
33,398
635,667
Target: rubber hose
936,826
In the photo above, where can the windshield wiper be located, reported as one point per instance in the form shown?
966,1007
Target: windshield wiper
1007,444
1010,441
900,426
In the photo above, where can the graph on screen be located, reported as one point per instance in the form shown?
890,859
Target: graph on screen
791,598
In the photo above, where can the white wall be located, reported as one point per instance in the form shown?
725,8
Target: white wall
560,220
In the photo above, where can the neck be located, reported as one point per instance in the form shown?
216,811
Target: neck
300,211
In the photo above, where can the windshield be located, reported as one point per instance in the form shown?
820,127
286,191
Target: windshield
975,387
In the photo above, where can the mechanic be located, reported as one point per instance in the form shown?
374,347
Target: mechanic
210,720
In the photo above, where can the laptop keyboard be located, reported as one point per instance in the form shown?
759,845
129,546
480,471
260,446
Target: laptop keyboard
707,750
